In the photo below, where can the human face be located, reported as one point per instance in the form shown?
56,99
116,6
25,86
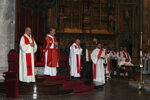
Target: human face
28,31
53,32
78,42
99,46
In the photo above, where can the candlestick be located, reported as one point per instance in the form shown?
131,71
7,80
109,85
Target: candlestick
141,83
141,52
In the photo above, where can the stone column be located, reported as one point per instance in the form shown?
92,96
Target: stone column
7,31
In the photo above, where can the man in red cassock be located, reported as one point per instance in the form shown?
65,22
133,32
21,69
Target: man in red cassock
51,53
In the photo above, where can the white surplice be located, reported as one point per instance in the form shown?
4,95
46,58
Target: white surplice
108,71
123,60
100,70
119,56
25,49
74,62
113,55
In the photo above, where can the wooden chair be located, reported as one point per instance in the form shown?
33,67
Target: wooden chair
11,77
13,66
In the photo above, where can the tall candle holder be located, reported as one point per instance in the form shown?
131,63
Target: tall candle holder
141,83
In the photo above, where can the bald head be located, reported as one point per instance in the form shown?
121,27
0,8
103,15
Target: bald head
28,30
77,41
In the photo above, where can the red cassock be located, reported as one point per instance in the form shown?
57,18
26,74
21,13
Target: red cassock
53,55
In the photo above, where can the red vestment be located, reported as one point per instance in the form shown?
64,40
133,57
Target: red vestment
53,55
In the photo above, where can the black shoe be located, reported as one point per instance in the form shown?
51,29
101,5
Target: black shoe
77,78
71,78
47,75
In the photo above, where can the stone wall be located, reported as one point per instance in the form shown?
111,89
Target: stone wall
87,39
7,30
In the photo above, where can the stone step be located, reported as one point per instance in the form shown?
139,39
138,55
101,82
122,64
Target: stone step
40,87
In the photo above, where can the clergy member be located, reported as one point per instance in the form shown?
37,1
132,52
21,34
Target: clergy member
26,57
75,59
51,53
145,63
120,54
107,61
98,59
126,59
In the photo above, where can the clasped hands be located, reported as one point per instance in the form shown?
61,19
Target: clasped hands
101,57
32,44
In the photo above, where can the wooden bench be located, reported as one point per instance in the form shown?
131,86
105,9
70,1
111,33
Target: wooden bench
132,71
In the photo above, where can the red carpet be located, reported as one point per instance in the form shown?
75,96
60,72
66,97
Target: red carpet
55,82
56,78
71,84
40,77
77,86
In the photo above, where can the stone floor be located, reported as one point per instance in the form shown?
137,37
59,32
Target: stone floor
113,90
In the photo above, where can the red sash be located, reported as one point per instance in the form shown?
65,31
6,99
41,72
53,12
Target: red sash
78,64
94,71
119,53
28,57
124,55
94,66
100,52
78,60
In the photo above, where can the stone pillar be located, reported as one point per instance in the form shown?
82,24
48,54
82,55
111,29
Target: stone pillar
7,31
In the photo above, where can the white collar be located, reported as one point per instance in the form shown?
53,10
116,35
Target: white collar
74,43
27,35
50,36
